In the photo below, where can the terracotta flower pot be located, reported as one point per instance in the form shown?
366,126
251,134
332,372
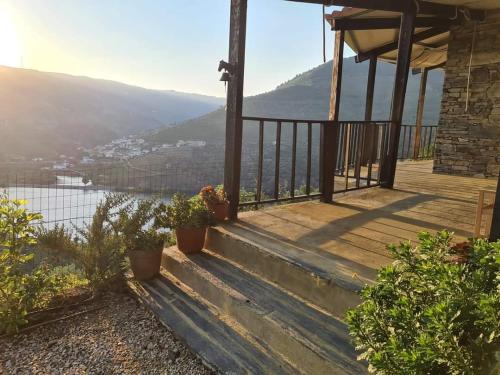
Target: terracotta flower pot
190,240
220,210
145,264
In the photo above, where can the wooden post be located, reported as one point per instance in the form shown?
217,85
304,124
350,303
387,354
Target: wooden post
368,131
495,222
420,113
398,99
234,109
329,129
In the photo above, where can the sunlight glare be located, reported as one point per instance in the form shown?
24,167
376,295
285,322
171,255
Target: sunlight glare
10,49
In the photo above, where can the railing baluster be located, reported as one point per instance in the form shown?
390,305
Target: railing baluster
372,130
359,149
309,157
294,160
258,197
277,165
347,153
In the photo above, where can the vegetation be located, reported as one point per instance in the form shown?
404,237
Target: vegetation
184,212
435,310
23,287
138,227
213,195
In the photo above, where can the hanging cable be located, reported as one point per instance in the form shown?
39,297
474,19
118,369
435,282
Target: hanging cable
470,67
324,35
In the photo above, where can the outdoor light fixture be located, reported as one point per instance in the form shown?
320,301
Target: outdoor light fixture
228,71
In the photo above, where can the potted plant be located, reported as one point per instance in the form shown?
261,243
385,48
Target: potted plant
190,218
142,239
216,200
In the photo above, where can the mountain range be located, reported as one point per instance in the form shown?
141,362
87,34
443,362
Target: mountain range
307,97
46,114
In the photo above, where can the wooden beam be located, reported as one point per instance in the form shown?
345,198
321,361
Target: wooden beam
420,112
385,23
495,223
234,110
398,99
363,56
369,137
424,7
329,130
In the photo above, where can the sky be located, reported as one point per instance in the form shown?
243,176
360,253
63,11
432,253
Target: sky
161,44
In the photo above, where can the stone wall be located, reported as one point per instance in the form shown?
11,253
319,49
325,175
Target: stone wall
468,142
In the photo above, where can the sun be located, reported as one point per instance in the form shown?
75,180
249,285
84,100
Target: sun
10,48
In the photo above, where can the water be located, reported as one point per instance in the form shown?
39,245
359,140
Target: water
69,201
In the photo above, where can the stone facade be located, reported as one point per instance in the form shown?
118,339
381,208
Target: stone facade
468,142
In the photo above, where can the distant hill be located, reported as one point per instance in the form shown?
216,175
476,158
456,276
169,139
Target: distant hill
45,114
307,97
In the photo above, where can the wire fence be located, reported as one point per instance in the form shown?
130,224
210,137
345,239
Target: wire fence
70,195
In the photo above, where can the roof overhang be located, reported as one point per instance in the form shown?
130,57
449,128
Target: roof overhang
375,31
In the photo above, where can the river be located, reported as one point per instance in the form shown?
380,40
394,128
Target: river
69,201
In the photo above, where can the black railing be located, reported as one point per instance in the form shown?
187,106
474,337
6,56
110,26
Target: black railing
294,164
361,145
425,148
281,157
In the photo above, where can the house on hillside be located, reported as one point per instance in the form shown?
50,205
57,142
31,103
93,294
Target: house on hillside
270,292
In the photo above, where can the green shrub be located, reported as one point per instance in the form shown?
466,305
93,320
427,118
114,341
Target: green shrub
58,244
21,289
184,212
435,310
137,225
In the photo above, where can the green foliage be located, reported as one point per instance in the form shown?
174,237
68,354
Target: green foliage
21,290
435,310
57,243
100,252
137,226
184,212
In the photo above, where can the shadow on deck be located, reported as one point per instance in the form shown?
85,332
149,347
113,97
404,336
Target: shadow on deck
357,227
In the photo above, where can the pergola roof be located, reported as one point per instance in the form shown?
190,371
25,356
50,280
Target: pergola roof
427,52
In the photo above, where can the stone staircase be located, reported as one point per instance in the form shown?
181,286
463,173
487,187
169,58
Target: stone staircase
255,305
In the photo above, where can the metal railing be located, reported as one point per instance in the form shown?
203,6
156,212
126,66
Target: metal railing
294,165
361,145
285,154
425,149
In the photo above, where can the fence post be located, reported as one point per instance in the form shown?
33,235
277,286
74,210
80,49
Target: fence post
495,221
234,110
329,140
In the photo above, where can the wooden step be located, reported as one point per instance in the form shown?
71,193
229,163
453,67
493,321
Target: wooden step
311,340
330,282
221,345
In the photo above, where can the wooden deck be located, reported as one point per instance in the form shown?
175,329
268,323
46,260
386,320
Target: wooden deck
359,225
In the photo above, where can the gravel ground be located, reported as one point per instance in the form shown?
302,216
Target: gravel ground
121,338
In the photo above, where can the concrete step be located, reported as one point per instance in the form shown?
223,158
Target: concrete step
221,344
311,340
328,281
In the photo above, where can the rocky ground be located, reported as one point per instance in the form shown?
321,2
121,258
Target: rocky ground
120,338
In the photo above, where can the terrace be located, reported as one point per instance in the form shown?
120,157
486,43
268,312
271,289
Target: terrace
272,287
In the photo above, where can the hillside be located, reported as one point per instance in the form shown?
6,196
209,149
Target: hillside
307,97
45,114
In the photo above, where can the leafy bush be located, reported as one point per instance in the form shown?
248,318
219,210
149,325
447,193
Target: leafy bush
138,227
58,244
183,212
100,252
435,310
21,289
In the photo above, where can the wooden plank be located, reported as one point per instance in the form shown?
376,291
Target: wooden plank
424,7
234,111
385,23
495,222
363,56
420,113
398,98
329,129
